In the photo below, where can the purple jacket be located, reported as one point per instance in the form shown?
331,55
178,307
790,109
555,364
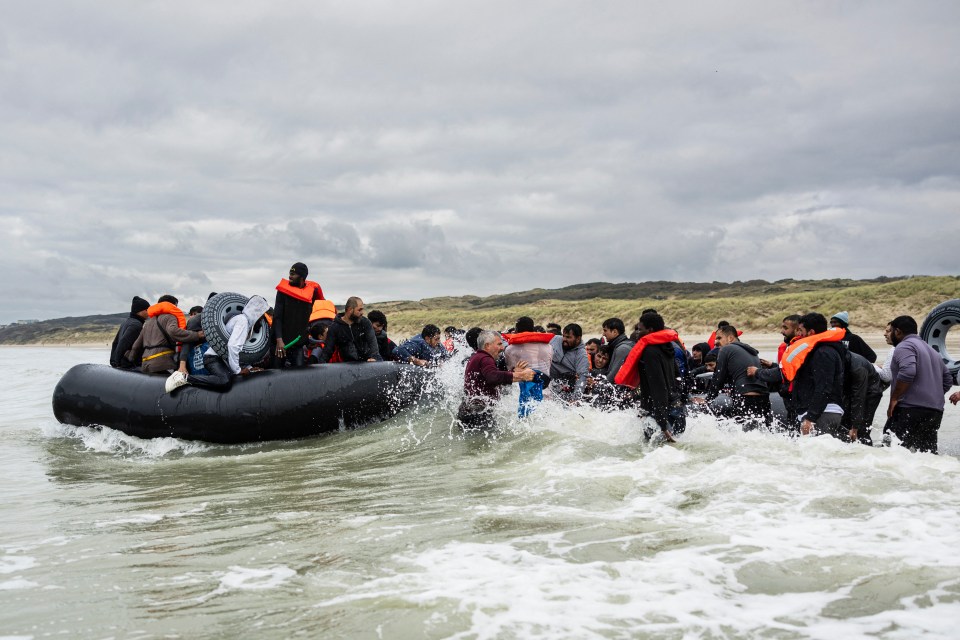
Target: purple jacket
916,362
482,378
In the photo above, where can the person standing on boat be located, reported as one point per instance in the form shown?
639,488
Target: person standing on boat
158,343
351,336
291,315
128,333
482,381
221,370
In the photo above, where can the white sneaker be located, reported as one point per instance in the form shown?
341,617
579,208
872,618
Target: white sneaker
176,380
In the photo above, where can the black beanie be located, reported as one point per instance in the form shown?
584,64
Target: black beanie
300,269
138,305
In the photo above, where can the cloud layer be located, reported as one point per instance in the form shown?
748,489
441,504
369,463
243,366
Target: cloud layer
417,149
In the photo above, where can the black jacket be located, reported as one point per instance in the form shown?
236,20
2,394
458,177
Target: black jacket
291,318
356,342
385,345
861,381
819,381
127,334
732,363
658,381
857,345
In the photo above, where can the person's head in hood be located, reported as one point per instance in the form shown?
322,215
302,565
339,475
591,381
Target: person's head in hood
253,311
840,320
699,350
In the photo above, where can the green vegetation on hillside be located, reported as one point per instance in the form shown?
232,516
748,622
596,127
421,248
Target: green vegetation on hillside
692,308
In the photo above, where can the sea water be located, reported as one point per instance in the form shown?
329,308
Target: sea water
564,525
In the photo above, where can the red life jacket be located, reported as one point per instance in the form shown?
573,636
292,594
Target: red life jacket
796,354
304,294
527,337
168,307
629,373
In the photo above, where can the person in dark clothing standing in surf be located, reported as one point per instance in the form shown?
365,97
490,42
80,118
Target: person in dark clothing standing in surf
291,315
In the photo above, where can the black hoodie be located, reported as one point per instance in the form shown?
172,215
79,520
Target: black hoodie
732,363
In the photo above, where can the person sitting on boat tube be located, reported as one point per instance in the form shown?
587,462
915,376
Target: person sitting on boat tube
351,336
221,371
163,333
291,315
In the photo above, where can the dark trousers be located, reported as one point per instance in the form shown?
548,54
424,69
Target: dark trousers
219,378
476,413
916,427
294,358
752,411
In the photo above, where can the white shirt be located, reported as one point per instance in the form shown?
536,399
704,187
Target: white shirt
238,326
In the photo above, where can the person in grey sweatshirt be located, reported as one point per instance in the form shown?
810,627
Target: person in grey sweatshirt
750,398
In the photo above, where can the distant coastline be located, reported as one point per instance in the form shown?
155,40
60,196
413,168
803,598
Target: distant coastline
691,308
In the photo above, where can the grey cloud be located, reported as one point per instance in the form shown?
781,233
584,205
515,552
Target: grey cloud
140,144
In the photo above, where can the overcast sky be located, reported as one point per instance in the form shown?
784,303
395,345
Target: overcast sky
411,149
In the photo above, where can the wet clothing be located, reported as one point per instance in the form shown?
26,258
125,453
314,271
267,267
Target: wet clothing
355,342
732,363
418,347
157,343
482,382
658,382
819,382
862,391
569,370
619,350
919,411
916,427
127,334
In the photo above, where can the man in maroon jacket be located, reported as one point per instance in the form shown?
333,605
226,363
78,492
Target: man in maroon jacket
482,381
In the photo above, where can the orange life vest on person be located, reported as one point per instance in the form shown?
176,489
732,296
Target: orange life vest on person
323,309
304,294
796,354
168,307
629,373
526,337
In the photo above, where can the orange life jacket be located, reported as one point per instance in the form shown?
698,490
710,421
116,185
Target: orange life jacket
796,354
448,344
304,294
168,307
323,309
527,337
629,373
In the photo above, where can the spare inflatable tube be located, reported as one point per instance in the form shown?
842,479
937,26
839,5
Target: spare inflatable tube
269,405
212,319
935,328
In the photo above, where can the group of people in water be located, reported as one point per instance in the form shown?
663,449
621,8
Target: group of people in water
828,377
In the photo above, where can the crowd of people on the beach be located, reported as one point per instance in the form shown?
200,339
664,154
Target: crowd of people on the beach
829,379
